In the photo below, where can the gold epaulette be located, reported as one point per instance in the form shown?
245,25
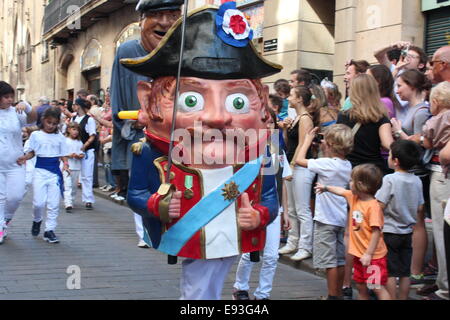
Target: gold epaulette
136,148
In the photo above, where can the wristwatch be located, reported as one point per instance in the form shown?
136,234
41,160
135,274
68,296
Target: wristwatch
422,138
398,134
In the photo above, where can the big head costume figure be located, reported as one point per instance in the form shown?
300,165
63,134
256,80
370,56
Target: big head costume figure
214,205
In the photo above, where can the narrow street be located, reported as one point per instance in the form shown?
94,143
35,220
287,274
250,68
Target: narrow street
103,244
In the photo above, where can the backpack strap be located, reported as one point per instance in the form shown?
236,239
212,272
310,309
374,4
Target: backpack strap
355,129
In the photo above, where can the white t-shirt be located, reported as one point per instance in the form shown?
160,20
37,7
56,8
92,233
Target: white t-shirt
47,145
292,113
11,147
90,125
74,146
330,208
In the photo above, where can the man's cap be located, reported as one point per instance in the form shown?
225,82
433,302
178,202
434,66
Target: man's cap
209,53
158,5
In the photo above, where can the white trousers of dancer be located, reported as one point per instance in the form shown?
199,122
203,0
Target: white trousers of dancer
46,195
268,267
70,187
204,279
12,191
139,225
87,177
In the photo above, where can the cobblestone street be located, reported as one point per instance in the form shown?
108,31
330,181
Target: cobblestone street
103,244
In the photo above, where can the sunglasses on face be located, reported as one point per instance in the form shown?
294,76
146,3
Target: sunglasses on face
436,61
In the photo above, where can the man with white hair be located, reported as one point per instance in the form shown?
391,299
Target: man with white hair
44,104
441,64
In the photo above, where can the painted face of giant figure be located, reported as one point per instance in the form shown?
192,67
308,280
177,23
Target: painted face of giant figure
217,120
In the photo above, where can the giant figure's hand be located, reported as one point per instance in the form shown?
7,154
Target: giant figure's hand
248,217
175,205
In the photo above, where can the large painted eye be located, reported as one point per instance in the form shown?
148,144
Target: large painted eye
237,103
191,102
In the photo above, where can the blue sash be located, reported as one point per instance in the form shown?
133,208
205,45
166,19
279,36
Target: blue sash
207,209
52,165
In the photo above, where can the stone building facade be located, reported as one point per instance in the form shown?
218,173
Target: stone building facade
56,47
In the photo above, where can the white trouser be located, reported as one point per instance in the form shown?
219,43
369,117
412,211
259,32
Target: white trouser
139,225
87,176
439,192
299,209
12,190
204,279
269,264
46,193
70,187
29,174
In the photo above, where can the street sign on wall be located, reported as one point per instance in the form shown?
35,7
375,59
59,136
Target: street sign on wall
434,4
270,45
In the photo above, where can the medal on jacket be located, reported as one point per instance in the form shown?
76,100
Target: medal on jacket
188,184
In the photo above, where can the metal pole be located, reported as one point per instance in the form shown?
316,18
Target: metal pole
177,93
173,259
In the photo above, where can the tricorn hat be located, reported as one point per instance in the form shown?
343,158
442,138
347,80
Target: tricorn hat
217,46
158,5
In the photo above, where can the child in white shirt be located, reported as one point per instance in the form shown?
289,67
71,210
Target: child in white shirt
330,216
74,154
49,147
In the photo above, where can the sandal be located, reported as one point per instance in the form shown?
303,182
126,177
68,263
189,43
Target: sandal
427,290
433,296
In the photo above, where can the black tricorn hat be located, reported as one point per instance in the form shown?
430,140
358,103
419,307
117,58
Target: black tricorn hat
205,56
158,5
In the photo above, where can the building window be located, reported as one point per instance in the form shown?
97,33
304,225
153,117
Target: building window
44,56
29,53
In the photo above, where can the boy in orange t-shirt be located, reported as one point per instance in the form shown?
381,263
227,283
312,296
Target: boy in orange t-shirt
366,221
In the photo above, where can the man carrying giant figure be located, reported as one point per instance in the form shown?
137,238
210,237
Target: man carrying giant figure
156,18
207,194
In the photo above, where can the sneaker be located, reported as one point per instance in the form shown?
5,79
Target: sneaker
110,188
417,280
36,228
88,206
113,195
7,221
241,295
287,249
2,236
142,244
50,237
69,209
347,293
103,188
301,255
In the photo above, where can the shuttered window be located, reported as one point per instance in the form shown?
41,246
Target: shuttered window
437,30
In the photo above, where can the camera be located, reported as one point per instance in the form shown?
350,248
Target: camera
318,138
405,52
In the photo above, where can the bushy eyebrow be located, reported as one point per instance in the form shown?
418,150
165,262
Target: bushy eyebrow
194,83
239,83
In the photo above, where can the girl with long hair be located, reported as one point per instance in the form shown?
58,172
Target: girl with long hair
299,189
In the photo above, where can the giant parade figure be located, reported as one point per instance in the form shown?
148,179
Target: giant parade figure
200,175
